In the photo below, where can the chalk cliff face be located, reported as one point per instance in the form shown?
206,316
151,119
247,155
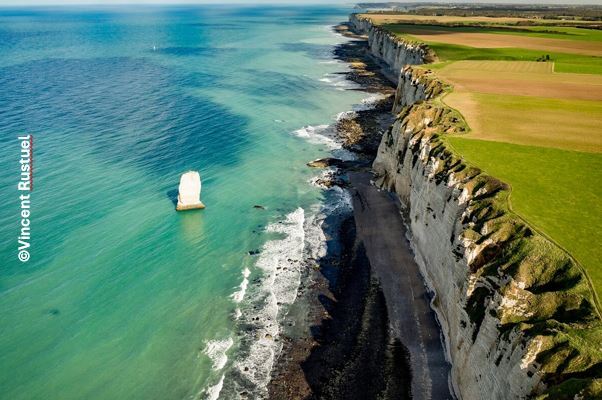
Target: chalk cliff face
507,299
395,52
517,313
415,85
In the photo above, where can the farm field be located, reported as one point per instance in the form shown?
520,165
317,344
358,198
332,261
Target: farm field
483,38
563,62
537,31
552,110
529,120
521,78
556,191
532,98
572,50
472,20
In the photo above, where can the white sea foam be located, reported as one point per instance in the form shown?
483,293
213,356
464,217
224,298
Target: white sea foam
369,102
262,305
326,174
339,81
240,294
346,115
320,134
315,244
366,104
216,351
212,392
281,260
325,135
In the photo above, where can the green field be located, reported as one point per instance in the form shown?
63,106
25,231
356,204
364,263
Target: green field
553,32
556,191
571,63
564,62
547,122
546,148
549,32
539,130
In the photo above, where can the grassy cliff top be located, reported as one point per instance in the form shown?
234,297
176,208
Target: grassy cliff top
485,20
532,99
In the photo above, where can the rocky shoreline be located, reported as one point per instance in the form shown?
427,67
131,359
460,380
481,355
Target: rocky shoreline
517,313
349,349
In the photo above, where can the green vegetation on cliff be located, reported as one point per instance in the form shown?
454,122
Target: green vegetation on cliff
546,298
557,191
531,164
534,128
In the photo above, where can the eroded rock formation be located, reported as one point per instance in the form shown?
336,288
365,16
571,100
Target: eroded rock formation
395,52
189,192
517,313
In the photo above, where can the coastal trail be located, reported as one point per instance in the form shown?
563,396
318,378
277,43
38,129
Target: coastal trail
380,227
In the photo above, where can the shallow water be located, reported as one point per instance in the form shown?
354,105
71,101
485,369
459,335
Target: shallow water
123,298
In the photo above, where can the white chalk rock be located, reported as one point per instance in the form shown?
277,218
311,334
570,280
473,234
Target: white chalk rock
189,192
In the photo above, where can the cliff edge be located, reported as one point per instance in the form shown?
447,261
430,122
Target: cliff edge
518,315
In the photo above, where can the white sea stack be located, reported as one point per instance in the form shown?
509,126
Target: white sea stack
189,192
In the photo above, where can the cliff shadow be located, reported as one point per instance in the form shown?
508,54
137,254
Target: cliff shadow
356,357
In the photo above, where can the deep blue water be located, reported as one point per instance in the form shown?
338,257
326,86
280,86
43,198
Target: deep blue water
123,298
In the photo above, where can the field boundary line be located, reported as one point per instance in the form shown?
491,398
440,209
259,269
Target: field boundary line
527,222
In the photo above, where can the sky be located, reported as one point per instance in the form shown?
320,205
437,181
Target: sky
70,2
248,2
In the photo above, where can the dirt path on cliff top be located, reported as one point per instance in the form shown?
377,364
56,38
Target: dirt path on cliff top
381,229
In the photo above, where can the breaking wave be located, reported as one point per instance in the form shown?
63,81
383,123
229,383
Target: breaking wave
325,135
216,351
240,294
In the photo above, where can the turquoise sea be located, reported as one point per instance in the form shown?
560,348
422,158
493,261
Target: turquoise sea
123,298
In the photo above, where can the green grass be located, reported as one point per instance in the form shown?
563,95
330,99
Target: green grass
570,63
548,122
573,63
555,32
547,32
556,191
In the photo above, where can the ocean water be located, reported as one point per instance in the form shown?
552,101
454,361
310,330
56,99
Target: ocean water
123,298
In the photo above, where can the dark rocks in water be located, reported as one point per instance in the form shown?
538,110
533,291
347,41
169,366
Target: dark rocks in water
344,29
329,182
254,252
259,207
325,162
330,179
362,131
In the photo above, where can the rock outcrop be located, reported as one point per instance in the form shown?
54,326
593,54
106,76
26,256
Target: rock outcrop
515,309
189,192
325,162
394,51
518,314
